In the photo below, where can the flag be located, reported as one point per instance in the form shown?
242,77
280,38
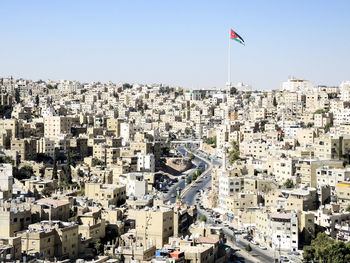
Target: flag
236,37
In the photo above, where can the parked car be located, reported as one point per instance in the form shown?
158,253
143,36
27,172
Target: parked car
253,242
248,237
262,247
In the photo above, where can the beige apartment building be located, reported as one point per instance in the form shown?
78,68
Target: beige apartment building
343,191
109,155
323,119
277,230
49,208
26,148
283,169
256,149
144,147
106,194
260,185
11,249
306,136
38,242
328,147
14,126
292,200
306,169
91,228
37,185
14,218
239,202
57,125
154,226
51,239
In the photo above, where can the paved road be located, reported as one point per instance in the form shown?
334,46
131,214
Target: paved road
172,191
190,197
201,183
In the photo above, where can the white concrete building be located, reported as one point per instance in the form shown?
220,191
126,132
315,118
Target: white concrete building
136,184
294,84
228,186
145,163
6,180
283,231
345,90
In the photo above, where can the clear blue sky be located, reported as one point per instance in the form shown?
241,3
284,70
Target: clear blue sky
176,42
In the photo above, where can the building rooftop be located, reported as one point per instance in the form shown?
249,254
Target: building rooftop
51,201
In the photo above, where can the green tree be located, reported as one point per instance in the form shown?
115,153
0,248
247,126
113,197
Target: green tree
289,183
319,111
6,159
275,102
327,127
189,131
248,248
68,176
37,100
233,90
97,162
194,176
17,95
54,170
234,153
203,219
320,248
211,140
25,172
340,252
46,192
188,180
191,155
98,247
348,208
199,172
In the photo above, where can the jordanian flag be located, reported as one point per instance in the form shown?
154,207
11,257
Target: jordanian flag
236,37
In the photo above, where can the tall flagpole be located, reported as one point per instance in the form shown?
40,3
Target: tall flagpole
228,84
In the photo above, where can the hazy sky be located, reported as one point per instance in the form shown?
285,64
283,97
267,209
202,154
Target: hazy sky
176,42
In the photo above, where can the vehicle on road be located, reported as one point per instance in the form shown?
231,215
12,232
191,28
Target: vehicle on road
262,247
248,237
254,242
295,253
173,195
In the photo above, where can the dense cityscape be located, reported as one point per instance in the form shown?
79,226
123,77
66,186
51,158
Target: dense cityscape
106,172
174,131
